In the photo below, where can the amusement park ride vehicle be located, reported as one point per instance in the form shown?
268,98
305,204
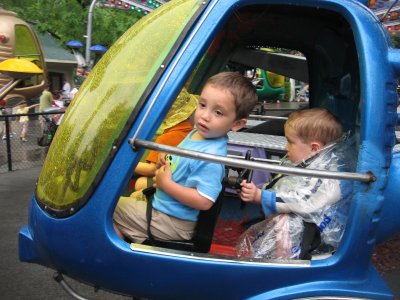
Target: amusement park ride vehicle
18,40
352,70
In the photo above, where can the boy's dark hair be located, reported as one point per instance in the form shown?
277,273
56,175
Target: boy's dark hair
315,124
242,90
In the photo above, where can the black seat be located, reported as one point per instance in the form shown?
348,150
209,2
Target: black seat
203,233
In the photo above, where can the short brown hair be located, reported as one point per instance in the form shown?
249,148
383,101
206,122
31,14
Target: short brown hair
241,88
315,124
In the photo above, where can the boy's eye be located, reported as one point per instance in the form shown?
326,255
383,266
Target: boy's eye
219,113
202,105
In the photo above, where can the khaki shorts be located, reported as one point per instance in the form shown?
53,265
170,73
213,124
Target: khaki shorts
130,218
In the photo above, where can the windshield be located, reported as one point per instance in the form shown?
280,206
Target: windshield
104,103
25,47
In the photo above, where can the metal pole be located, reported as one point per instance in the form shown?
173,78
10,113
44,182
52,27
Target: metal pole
5,90
9,159
60,279
248,164
267,117
89,32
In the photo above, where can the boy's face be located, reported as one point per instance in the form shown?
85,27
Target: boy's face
298,150
216,113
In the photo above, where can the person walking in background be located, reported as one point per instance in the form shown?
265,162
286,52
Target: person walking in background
4,110
66,89
73,92
46,99
24,120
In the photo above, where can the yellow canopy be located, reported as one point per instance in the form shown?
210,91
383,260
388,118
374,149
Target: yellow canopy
19,68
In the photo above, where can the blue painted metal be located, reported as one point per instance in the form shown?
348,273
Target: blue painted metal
84,245
391,224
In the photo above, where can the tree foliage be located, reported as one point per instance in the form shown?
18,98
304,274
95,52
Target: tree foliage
67,19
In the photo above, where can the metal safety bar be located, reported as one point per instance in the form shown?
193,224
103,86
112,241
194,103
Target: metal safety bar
272,161
267,117
241,163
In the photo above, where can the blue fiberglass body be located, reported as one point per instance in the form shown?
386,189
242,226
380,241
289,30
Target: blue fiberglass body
80,241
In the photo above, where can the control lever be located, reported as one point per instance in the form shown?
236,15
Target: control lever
244,174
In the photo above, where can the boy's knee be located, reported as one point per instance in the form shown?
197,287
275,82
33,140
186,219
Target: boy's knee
117,231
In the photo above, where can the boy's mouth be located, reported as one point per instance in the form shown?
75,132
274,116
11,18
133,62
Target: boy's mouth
202,127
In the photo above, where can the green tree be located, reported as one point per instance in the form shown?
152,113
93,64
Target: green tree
67,19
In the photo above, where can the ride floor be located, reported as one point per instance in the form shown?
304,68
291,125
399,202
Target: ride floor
235,217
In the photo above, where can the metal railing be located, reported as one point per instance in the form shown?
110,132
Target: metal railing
16,153
247,164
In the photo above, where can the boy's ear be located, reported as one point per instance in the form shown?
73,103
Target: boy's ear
315,146
238,124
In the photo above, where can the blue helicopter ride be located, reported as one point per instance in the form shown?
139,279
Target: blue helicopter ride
352,70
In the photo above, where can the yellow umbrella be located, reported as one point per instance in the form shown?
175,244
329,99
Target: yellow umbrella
19,68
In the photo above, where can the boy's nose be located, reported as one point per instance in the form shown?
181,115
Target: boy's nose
205,115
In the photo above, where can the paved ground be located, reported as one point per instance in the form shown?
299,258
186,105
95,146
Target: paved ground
22,280
29,281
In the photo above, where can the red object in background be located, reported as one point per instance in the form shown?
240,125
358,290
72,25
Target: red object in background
394,15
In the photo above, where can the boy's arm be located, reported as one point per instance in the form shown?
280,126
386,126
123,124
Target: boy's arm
268,202
146,168
186,195
250,193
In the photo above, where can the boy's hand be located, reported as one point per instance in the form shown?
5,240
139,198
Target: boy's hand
163,176
249,192
161,160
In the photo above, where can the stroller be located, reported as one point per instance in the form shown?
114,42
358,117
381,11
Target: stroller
50,125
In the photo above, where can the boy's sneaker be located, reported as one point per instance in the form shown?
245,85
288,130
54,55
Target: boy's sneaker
4,137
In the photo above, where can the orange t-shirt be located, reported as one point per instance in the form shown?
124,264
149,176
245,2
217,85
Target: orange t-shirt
171,137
